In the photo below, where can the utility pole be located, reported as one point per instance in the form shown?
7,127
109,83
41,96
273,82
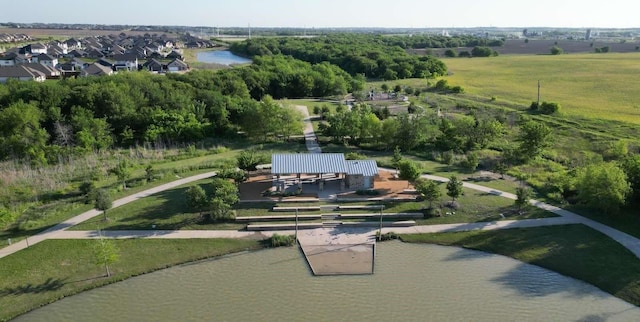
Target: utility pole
538,93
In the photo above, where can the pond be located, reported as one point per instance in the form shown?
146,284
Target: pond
222,57
411,282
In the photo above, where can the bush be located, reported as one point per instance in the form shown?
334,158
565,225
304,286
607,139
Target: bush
387,236
355,156
549,107
282,240
555,50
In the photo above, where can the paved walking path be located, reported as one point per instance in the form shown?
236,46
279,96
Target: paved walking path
566,217
309,135
49,233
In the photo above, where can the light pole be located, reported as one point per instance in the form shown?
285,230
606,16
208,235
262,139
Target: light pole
380,232
296,225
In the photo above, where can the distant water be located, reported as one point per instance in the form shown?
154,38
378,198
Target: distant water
412,282
223,57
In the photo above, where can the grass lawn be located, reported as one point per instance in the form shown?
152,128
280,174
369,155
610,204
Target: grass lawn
165,210
66,267
572,250
590,85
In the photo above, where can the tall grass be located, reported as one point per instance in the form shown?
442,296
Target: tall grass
589,85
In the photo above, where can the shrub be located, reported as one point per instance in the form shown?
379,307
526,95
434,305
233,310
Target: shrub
549,107
282,240
387,236
355,156
555,50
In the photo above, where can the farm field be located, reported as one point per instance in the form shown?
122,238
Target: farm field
600,86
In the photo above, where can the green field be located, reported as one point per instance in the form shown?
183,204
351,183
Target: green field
589,85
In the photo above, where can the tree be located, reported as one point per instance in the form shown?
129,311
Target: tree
408,170
220,210
471,162
150,173
225,195
384,87
603,186
249,159
397,157
122,171
106,253
429,190
450,53
555,50
631,167
103,201
534,138
196,198
523,194
88,190
501,168
454,188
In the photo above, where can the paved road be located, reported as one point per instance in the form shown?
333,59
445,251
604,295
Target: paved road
51,232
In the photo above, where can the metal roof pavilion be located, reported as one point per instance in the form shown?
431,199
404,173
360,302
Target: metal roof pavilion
309,163
367,168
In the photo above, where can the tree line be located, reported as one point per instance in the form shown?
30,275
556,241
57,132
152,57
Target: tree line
372,56
41,121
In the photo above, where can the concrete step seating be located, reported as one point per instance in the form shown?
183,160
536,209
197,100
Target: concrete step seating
259,227
278,218
330,216
301,208
398,215
405,223
351,207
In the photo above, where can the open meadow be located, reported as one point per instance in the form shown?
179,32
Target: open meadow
588,85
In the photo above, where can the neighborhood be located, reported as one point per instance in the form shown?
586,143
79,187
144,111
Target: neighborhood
96,56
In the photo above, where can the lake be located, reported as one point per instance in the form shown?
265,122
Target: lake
223,57
412,282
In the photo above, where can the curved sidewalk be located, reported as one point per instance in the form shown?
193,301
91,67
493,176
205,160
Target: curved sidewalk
626,240
51,232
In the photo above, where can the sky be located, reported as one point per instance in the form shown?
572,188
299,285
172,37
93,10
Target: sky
330,13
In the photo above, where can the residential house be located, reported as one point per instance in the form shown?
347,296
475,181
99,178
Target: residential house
8,59
177,65
45,59
22,73
35,49
73,44
49,72
96,69
126,62
77,53
175,54
153,65
106,63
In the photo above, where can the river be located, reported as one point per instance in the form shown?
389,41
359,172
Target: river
222,57
412,282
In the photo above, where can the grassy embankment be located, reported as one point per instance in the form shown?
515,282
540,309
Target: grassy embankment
168,210
49,195
54,269
573,250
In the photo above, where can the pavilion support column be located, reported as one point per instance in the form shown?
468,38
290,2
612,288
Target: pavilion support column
299,180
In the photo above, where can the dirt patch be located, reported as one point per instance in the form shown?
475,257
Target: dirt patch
387,185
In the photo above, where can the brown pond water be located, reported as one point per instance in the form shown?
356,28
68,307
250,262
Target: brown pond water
411,283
